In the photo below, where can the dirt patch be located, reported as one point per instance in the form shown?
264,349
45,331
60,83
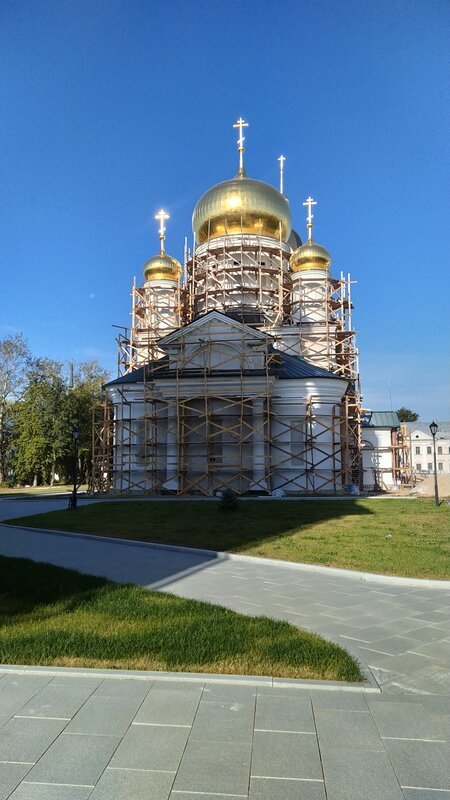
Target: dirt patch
425,487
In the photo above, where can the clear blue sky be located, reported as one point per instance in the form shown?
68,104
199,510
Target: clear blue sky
113,108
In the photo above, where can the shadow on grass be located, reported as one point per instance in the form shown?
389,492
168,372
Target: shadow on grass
187,523
197,524
56,615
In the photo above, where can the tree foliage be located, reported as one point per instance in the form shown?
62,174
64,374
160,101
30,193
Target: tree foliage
406,415
15,365
39,412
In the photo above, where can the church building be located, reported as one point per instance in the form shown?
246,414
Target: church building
240,369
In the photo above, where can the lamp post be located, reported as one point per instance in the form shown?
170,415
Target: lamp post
433,430
75,437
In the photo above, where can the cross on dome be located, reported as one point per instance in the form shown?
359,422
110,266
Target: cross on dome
281,159
241,124
310,203
162,216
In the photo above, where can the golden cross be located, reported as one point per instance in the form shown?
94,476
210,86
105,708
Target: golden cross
310,203
281,159
162,216
241,124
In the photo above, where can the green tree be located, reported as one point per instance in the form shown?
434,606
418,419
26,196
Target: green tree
40,440
406,415
44,418
15,364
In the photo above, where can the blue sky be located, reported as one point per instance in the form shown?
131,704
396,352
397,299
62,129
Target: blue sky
112,109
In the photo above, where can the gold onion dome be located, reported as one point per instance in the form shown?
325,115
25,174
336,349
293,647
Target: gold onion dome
241,205
310,255
162,266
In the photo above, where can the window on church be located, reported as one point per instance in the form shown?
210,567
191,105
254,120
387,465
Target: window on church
440,466
297,436
429,451
439,451
419,467
430,467
417,451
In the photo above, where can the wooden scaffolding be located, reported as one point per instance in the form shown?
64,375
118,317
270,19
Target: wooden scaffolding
197,424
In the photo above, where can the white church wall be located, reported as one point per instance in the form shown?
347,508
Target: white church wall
377,459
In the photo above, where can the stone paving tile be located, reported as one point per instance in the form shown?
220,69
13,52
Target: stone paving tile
166,706
10,777
427,634
346,730
107,716
286,755
369,776
422,764
215,767
74,759
433,679
279,789
48,791
437,704
151,747
370,635
133,785
28,739
284,714
437,649
60,698
443,726
177,795
425,794
124,687
394,645
231,692
224,722
409,720
16,690
346,701
432,616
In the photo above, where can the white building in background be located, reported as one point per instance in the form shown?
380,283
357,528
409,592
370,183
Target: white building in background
421,447
240,369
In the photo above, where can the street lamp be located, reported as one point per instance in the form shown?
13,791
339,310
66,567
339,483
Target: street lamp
75,437
433,430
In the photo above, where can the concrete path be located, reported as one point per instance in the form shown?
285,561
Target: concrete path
73,738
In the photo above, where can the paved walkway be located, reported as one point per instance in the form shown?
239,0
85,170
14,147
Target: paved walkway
133,739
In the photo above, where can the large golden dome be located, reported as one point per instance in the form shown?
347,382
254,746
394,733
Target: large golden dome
162,267
241,205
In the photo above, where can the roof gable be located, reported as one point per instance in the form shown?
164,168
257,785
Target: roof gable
212,317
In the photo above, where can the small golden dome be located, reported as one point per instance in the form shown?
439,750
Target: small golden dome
310,256
241,205
162,267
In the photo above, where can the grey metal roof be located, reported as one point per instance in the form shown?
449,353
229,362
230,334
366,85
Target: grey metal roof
296,367
381,419
286,367
443,431
137,375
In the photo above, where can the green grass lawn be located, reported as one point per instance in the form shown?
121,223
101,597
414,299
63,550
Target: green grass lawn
54,616
33,491
395,537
